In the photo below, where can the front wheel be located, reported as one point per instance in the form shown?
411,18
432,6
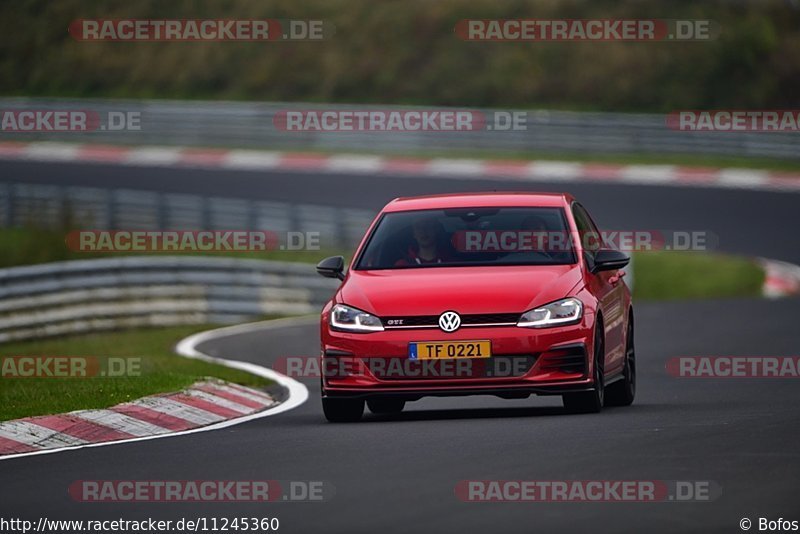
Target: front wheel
622,393
342,410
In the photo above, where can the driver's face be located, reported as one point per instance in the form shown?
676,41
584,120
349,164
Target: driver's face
540,238
425,232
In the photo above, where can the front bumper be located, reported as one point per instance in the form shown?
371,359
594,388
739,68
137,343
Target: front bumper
524,361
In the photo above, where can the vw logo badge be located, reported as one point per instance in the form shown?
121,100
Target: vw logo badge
449,321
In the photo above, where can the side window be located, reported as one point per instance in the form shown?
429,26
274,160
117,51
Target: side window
589,234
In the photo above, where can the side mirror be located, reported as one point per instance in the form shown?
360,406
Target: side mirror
609,260
332,267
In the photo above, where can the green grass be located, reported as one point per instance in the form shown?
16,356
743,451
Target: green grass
692,275
30,245
161,371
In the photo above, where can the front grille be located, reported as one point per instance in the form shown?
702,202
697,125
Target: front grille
414,320
429,321
490,318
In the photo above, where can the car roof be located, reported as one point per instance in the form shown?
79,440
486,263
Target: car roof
480,200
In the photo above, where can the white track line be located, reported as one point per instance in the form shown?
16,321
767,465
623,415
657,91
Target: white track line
555,170
152,156
51,151
297,392
354,163
463,168
251,160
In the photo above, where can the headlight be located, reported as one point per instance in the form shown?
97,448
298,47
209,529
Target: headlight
354,320
564,311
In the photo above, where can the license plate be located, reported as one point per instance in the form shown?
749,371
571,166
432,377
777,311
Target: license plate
449,350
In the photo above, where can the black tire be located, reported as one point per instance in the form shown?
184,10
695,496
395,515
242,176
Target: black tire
386,406
622,392
590,401
342,410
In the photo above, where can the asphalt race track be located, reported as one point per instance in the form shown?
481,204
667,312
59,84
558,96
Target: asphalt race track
398,474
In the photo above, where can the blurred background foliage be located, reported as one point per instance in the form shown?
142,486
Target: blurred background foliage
405,52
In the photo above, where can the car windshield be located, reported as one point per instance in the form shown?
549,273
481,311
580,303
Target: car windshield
468,237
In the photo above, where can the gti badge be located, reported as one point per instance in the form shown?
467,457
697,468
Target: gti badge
449,321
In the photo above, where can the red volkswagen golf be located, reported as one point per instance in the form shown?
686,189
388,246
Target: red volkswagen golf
506,294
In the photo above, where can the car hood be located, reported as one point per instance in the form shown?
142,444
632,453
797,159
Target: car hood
432,290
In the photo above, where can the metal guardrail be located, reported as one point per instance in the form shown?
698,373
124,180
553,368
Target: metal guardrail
250,125
24,204
91,295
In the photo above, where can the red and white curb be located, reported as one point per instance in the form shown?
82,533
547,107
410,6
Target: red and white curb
520,170
782,279
202,404
208,405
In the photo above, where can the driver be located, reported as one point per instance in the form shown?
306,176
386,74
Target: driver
537,226
427,247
